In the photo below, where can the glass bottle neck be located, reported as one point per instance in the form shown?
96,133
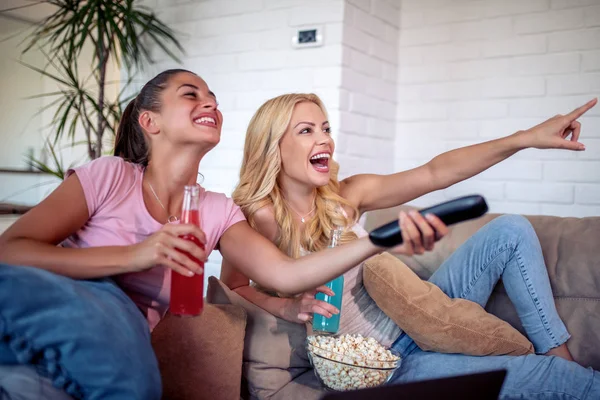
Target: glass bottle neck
335,238
191,204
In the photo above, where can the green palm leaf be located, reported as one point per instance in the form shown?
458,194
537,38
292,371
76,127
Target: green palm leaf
120,32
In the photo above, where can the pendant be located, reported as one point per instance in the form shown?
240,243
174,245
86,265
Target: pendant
172,219
302,219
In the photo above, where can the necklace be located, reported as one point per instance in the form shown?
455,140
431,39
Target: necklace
300,215
171,218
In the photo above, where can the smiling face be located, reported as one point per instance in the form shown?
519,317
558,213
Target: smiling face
188,112
306,147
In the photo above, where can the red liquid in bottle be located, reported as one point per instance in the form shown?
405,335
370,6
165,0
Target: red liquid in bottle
187,291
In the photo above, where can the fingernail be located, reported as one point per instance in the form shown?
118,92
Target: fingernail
190,273
429,216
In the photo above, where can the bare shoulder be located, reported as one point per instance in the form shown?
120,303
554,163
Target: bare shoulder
266,224
350,187
352,193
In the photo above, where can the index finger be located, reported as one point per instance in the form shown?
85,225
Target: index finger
440,227
578,112
325,289
187,229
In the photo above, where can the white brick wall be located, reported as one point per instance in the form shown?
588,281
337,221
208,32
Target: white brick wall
405,80
473,71
367,126
242,48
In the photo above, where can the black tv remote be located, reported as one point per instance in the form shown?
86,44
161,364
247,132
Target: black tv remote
450,212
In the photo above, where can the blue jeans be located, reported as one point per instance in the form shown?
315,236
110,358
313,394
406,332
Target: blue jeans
86,336
506,248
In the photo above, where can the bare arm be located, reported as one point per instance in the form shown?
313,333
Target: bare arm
32,240
260,260
240,284
296,310
371,192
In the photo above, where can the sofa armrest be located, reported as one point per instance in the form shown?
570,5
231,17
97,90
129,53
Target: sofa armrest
201,357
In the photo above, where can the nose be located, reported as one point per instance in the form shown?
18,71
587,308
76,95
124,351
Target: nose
324,139
210,103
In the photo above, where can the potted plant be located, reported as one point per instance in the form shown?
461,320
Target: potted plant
81,40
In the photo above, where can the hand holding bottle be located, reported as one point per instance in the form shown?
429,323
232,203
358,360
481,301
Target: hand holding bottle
165,247
301,308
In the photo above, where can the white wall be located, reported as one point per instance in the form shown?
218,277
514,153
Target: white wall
25,127
471,71
405,80
243,50
22,130
368,87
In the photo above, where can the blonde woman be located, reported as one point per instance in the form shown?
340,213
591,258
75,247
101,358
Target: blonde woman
289,192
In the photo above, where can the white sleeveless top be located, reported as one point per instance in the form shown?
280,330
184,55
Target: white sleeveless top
360,313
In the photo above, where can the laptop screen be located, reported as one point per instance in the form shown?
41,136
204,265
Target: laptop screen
482,386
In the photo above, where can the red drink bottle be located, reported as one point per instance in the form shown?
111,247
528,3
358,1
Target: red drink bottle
187,291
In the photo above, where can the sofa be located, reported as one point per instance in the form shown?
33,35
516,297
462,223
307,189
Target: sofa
202,358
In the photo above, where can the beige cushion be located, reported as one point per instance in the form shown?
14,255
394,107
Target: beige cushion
570,247
433,320
201,357
274,351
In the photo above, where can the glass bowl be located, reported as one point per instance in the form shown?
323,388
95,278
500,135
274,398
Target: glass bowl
343,371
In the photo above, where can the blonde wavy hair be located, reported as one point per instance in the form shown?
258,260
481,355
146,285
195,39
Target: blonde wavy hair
259,186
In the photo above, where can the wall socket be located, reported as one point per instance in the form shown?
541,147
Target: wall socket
310,36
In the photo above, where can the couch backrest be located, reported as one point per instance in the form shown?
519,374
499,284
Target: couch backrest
569,245
571,248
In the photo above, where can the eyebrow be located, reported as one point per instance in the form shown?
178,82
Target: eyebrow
189,85
309,123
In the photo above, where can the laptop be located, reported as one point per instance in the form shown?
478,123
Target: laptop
482,386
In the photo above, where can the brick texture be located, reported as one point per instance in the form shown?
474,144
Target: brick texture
491,68
405,80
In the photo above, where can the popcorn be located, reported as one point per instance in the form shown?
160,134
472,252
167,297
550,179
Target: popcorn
349,362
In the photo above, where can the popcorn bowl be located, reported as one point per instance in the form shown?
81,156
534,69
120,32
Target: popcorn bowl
342,369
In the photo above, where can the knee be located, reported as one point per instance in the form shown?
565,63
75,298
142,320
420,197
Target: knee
87,335
125,339
516,226
135,367
145,384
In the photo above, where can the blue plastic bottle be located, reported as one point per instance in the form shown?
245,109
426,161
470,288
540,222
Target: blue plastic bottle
331,325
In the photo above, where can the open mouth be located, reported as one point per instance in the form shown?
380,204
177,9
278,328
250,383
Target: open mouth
320,162
206,121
